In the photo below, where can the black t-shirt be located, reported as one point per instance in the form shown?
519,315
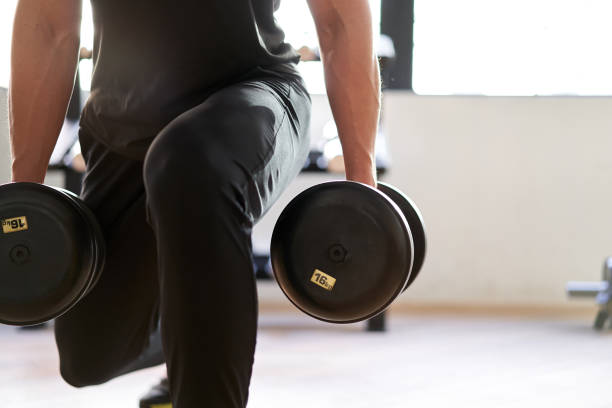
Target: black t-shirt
154,59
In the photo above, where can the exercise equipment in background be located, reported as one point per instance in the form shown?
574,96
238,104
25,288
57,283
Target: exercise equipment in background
601,291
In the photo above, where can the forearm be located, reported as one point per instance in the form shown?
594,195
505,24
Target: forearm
43,66
354,95
353,87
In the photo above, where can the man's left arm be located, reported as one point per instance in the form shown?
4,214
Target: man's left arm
352,78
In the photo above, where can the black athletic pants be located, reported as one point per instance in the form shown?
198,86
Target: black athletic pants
178,227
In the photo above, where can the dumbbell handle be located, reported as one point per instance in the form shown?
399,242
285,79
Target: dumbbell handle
586,289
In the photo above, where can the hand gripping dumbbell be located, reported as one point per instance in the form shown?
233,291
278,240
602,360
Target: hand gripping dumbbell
343,251
51,252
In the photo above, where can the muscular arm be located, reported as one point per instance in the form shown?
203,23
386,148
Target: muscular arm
44,57
352,78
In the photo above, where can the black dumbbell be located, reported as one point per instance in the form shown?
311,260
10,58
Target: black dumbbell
343,251
52,252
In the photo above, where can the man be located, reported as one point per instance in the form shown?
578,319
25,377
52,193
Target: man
196,122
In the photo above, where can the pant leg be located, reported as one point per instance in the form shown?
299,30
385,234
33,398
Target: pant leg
209,175
108,332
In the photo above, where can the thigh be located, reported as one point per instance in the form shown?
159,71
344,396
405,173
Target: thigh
111,325
252,135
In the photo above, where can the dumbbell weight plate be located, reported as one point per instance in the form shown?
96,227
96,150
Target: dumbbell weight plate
56,261
341,252
97,241
417,227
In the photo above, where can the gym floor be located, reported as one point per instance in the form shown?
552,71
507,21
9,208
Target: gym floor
426,359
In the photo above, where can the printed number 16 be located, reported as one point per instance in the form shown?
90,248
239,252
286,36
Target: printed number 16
321,279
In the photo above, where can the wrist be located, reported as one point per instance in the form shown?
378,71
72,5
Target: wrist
24,173
362,175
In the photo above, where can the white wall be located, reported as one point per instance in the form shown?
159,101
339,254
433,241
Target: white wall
516,192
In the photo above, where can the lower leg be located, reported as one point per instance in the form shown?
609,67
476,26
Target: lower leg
108,333
208,294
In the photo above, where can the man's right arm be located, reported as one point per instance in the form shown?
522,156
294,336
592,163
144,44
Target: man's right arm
44,57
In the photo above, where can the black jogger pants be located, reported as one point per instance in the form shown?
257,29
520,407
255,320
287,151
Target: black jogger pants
178,227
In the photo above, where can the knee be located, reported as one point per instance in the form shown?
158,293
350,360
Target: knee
80,365
81,374
183,158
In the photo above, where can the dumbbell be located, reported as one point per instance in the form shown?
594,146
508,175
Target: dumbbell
343,251
52,252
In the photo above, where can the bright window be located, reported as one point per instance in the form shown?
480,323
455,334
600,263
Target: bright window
294,17
513,47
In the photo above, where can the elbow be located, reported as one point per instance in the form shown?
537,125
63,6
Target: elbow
327,42
44,26
333,35
60,32
66,38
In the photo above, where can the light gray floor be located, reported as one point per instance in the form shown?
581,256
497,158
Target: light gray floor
423,361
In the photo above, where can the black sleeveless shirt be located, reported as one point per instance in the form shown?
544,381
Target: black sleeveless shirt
154,59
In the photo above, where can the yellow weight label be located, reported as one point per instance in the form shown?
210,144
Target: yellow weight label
14,225
161,406
323,280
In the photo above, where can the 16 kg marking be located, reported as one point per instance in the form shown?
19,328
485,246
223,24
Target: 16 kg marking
14,224
322,279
